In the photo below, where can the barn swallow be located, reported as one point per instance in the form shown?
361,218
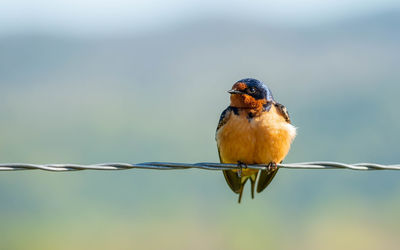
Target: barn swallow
254,129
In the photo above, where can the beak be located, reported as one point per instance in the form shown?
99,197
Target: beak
233,91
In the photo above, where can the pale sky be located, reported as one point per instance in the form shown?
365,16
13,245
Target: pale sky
101,16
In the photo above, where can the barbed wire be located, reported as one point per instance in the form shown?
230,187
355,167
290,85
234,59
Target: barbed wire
200,165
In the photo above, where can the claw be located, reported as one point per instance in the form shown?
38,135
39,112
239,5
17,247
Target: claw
241,164
272,166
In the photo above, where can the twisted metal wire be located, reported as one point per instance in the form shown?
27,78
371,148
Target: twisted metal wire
200,165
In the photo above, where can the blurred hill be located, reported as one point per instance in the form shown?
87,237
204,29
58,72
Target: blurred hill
157,96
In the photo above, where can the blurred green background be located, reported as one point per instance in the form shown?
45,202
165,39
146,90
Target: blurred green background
95,81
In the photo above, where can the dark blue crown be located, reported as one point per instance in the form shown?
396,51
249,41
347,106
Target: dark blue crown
263,92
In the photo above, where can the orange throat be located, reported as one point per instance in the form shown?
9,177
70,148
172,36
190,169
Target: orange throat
247,102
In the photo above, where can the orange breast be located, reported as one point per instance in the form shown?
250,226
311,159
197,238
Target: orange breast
261,140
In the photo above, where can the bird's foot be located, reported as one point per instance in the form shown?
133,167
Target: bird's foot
272,166
241,167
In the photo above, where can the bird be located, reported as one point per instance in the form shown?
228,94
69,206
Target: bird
253,129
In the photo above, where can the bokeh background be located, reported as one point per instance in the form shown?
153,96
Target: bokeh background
134,81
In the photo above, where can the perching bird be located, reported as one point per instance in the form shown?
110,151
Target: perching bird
254,129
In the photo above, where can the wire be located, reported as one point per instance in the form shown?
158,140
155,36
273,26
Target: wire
200,165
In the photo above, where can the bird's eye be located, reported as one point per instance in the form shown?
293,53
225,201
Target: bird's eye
252,90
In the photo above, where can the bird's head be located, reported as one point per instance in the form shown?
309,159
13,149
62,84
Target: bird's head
250,93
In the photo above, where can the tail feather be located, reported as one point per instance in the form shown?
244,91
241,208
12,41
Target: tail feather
253,179
265,179
233,180
244,180
237,183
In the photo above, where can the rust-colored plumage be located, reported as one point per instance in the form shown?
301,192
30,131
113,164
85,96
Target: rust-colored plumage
246,101
254,129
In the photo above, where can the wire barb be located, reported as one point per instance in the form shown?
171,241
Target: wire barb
200,165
